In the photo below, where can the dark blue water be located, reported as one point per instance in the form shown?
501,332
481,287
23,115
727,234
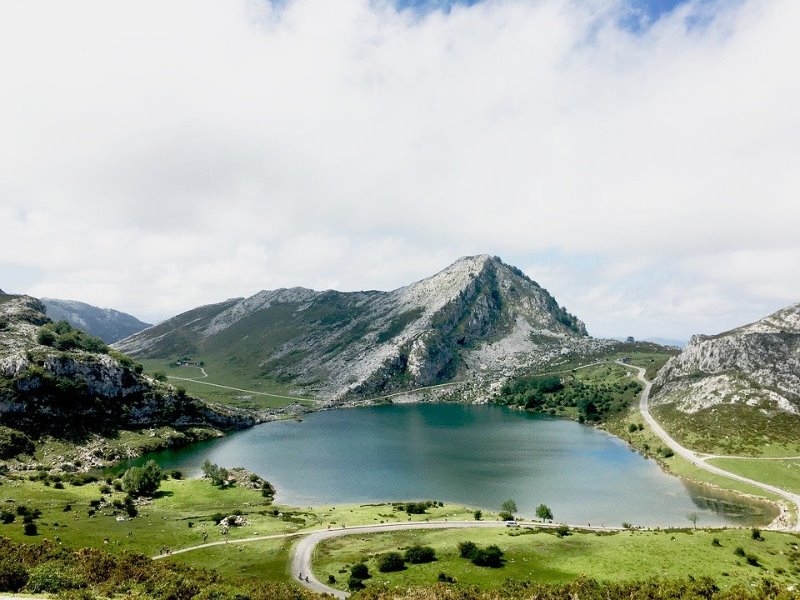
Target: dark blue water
476,455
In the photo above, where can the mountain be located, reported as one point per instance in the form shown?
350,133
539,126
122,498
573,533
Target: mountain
742,387
108,324
58,381
476,315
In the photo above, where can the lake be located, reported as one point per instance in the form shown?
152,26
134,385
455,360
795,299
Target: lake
476,455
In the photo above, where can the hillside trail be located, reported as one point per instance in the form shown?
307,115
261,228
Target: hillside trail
699,459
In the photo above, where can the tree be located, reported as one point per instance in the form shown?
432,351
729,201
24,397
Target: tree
218,475
391,561
478,514
693,516
509,506
142,481
544,513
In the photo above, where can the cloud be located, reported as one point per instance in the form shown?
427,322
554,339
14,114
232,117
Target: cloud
157,155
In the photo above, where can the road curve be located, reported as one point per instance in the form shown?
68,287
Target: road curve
303,553
697,459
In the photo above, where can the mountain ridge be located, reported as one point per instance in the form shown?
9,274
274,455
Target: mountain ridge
108,324
334,345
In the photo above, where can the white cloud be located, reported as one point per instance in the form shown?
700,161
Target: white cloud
156,156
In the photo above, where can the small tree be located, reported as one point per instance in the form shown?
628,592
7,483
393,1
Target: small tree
693,517
478,514
218,475
142,481
544,513
509,506
30,528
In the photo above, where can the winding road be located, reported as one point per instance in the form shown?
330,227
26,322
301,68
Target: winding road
699,459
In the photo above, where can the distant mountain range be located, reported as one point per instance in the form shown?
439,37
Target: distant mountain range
108,324
740,387
477,314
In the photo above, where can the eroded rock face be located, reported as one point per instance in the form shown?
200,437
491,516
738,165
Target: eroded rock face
66,393
334,345
757,365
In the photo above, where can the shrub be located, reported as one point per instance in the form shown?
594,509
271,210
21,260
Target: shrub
50,578
30,528
491,556
739,551
420,554
13,576
354,583
467,550
756,534
6,516
360,571
715,542
175,474
391,561
478,514
562,531
160,376
506,516
445,578
331,579
752,560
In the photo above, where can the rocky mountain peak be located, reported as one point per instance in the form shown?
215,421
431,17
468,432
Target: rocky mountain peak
476,313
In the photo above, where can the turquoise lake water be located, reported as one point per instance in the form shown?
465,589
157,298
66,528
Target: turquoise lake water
475,455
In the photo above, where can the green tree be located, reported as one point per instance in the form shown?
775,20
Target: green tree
218,475
509,506
478,514
544,513
142,481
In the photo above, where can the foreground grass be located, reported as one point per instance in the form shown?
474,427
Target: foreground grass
543,557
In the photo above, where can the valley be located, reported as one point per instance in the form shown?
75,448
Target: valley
472,386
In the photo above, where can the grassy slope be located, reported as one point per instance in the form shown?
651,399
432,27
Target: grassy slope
237,377
782,473
543,557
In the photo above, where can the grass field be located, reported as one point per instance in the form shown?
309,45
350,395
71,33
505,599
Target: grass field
784,474
544,557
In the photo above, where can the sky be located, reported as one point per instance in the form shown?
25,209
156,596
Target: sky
638,158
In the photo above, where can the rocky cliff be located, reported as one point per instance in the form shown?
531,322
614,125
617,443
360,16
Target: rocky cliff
477,314
71,393
106,323
743,383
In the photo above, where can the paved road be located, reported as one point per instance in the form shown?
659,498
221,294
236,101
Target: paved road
698,459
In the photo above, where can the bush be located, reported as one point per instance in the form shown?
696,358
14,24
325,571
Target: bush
360,571
491,556
420,554
50,578
331,579
715,542
562,531
354,583
467,550
30,528
739,551
6,517
445,578
13,576
756,534
478,514
506,516
175,474
160,376
391,561
218,475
